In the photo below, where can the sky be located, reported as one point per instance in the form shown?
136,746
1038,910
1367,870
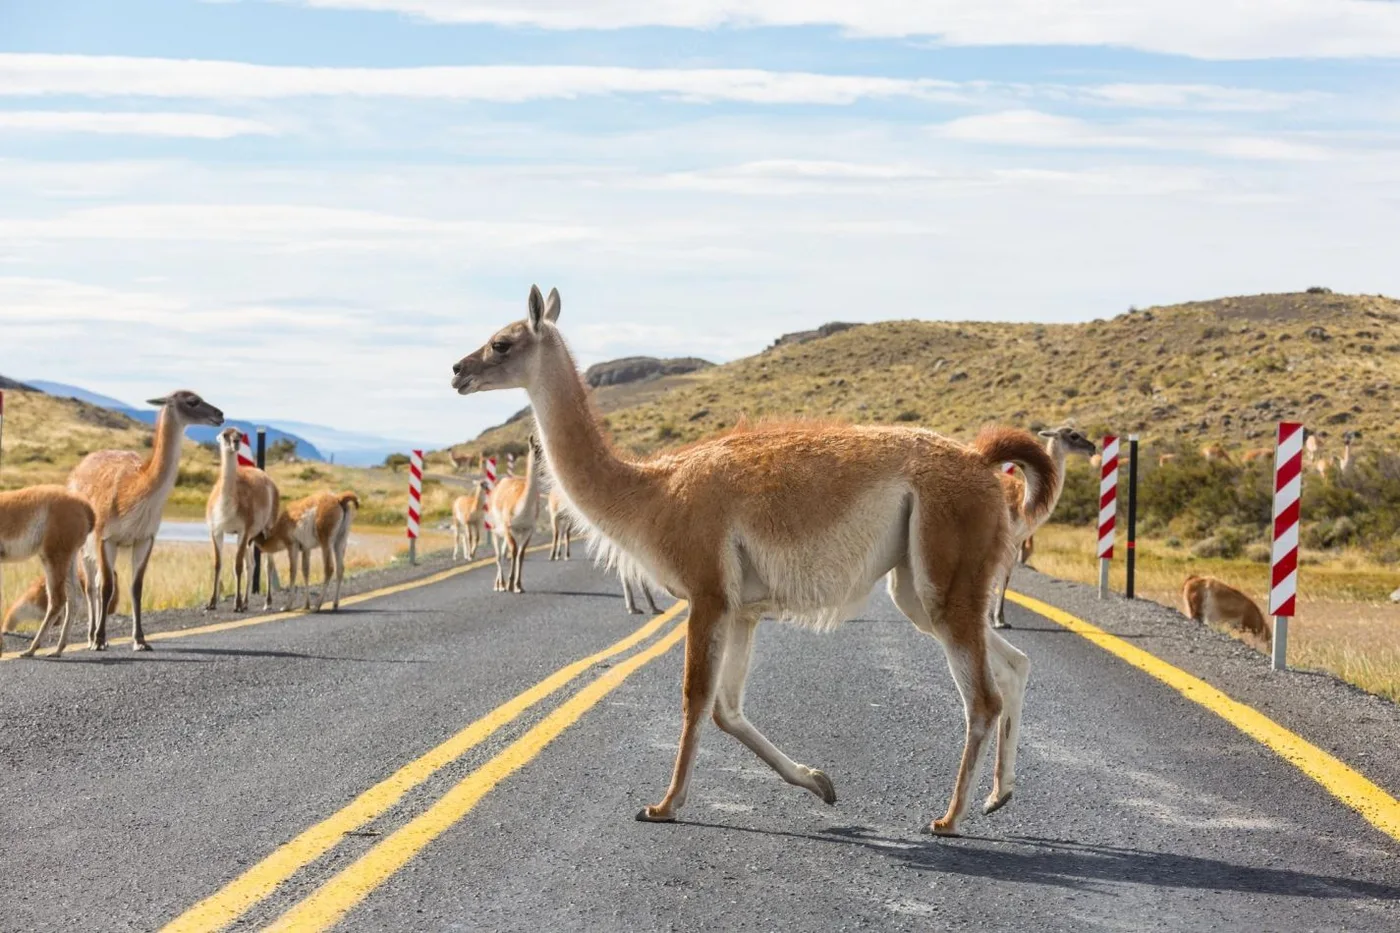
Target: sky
309,209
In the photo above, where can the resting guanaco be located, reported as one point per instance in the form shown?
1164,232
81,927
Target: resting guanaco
1206,599
729,525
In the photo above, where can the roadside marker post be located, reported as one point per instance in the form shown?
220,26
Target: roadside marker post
262,465
2,458
489,469
245,451
1283,567
415,502
1008,468
1108,509
1130,590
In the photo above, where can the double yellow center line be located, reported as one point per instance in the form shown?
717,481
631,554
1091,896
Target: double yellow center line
329,902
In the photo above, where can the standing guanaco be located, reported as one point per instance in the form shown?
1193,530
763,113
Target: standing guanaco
243,503
728,525
52,523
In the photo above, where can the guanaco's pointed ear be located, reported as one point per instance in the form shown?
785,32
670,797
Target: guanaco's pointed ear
158,402
1046,433
536,308
551,306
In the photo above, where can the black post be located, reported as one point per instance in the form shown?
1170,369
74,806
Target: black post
257,551
1130,592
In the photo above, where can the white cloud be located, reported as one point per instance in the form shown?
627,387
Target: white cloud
1207,97
1242,29
23,74
1034,128
189,125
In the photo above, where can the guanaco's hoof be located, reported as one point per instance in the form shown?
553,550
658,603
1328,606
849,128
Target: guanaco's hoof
994,804
140,646
942,828
825,790
645,815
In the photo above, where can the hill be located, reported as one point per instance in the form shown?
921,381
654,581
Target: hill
1222,371
201,434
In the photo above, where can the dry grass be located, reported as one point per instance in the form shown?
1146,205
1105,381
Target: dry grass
180,574
1345,624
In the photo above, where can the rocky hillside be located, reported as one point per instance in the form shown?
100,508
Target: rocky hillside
1222,371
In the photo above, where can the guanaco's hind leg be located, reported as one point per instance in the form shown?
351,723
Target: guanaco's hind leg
1011,669
704,647
56,584
729,712
960,626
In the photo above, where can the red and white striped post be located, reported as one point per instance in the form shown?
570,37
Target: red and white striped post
1283,576
2,422
1108,509
1008,467
415,502
489,468
245,451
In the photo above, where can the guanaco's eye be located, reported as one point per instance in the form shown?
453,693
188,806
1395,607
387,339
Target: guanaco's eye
501,347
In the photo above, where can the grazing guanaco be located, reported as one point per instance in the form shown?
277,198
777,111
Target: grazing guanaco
728,525
1164,459
1206,599
243,502
1060,443
562,546
1027,550
515,508
321,520
52,523
1215,452
128,494
468,513
460,462
1256,453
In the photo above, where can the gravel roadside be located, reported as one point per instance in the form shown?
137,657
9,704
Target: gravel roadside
1357,727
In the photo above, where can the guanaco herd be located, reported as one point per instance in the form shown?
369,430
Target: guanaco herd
114,499
727,524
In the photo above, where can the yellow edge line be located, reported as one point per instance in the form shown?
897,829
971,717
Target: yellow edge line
330,902
280,616
238,896
1339,779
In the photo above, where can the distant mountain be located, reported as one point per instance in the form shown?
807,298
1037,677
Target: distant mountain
348,447
199,433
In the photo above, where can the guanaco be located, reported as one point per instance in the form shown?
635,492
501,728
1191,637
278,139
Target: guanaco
468,513
1256,453
1206,599
563,529
1061,442
244,503
728,525
321,520
515,508
33,603
128,493
52,523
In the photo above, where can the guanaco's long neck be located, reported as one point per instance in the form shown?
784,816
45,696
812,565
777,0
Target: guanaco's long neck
1059,453
158,473
596,480
228,474
530,500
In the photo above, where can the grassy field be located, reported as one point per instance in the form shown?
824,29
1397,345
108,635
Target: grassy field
1345,623
180,574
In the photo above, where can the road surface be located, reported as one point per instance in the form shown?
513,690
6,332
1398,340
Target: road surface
209,782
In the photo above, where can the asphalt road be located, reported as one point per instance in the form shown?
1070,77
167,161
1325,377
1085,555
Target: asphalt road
138,786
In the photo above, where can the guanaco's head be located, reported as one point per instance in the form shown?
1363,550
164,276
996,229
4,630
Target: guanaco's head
229,439
508,359
188,408
1074,440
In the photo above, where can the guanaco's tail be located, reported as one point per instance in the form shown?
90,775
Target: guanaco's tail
998,445
348,499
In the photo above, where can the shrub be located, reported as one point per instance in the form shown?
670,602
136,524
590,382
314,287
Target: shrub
908,416
1259,553
1226,543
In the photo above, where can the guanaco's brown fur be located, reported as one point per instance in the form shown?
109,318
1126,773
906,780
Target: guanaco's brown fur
321,520
729,524
52,523
468,514
561,548
515,508
128,494
1206,599
243,503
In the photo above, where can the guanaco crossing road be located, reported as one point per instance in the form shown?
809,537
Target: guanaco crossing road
446,758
